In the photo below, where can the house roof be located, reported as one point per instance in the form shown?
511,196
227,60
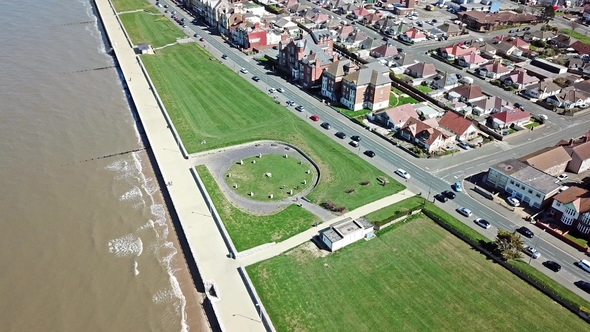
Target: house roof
543,34
564,39
370,43
546,158
405,59
516,42
457,50
423,68
579,197
572,95
414,33
505,47
447,79
511,116
369,74
584,86
482,17
521,77
486,48
496,67
473,58
385,50
581,48
579,147
360,11
455,123
356,36
545,86
416,127
449,28
345,30
468,91
400,114
337,69
528,175
491,103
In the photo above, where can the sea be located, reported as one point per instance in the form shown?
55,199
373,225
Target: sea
86,240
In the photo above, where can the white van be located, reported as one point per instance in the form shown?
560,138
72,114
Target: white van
467,80
585,265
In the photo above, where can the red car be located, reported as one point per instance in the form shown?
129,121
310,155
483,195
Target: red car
315,118
202,39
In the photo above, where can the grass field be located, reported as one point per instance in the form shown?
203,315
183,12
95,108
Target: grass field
415,277
154,29
248,231
397,98
395,209
126,5
207,101
251,177
579,36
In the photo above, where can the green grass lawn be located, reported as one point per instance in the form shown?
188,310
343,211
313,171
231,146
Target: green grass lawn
580,241
155,30
581,37
287,172
415,277
248,231
207,101
353,114
423,88
397,98
127,5
395,209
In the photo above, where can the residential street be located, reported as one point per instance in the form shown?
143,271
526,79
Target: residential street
432,176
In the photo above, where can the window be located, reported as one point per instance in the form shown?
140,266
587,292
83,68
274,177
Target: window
557,203
538,195
530,191
518,185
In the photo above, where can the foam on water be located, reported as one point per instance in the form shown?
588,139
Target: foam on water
94,31
128,245
133,194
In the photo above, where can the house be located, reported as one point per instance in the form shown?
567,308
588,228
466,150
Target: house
347,231
581,48
506,119
515,41
454,51
355,38
372,18
359,13
542,90
468,92
506,49
384,51
404,60
369,87
450,30
583,85
471,60
445,81
413,36
493,70
343,32
370,43
552,160
519,79
423,135
332,78
486,50
524,182
394,118
286,26
579,150
570,98
572,208
459,125
491,105
542,35
386,23
562,40
481,21
427,112
421,70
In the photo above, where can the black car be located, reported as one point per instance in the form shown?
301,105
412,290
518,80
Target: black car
583,285
341,135
369,153
526,29
325,125
441,198
449,194
434,20
356,138
400,50
526,232
165,6
553,266
256,78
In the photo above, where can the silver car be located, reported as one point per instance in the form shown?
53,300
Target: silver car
464,211
531,252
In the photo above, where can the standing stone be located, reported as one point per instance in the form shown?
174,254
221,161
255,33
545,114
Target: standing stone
253,161
291,192
229,175
260,155
251,194
300,162
270,196
308,171
304,182
286,155
235,186
241,162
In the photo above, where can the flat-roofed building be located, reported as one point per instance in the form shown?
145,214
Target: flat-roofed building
347,231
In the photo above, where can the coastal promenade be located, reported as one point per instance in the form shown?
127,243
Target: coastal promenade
234,307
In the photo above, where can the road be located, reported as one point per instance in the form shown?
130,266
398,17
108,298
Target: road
388,158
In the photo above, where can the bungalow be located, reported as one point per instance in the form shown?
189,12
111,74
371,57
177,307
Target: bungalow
394,118
386,23
491,105
468,92
370,43
421,70
579,150
487,50
471,60
423,135
519,43
427,112
572,208
552,160
562,41
403,61
450,30
542,90
457,124
519,79
493,70
581,48
445,81
372,18
506,119
343,32
541,35
413,36
384,51
359,13
570,98
507,49
355,39
455,51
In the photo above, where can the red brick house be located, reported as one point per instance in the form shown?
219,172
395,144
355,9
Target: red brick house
368,88
423,135
463,128
332,78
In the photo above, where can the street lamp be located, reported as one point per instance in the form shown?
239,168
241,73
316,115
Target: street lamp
259,309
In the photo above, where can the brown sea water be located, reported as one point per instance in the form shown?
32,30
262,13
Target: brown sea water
86,242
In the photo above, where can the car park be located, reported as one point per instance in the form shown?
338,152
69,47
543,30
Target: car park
562,177
244,71
290,102
482,222
464,211
356,138
255,78
315,118
464,145
526,232
300,108
529,250
583,285
340,135
457,186
325,125
369,153
402,173
281,90
449,194
513,201
441,198
553,266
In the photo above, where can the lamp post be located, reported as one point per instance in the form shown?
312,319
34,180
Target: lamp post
259,309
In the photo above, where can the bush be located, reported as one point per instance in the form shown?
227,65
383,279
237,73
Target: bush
365,183
350,190
329,205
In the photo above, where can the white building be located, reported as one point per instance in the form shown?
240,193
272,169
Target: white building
345,232
524,182
572,208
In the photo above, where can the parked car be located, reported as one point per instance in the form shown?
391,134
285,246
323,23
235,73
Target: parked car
553,266
449,194
290,102
281,90
441,198
457,186
583,285
482,222
464,211
529,250
224,56
325,125
356,138
464,145
315,118
300,108
526,232
341,135
369,153
354,144
584,265
563,177
434,20
255,78
513,201
244,71
400,50
402,173
511,31
272,90
203,39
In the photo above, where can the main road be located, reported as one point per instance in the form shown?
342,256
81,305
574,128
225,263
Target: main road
387,160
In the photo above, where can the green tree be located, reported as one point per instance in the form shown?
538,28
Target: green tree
508,244
548,13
